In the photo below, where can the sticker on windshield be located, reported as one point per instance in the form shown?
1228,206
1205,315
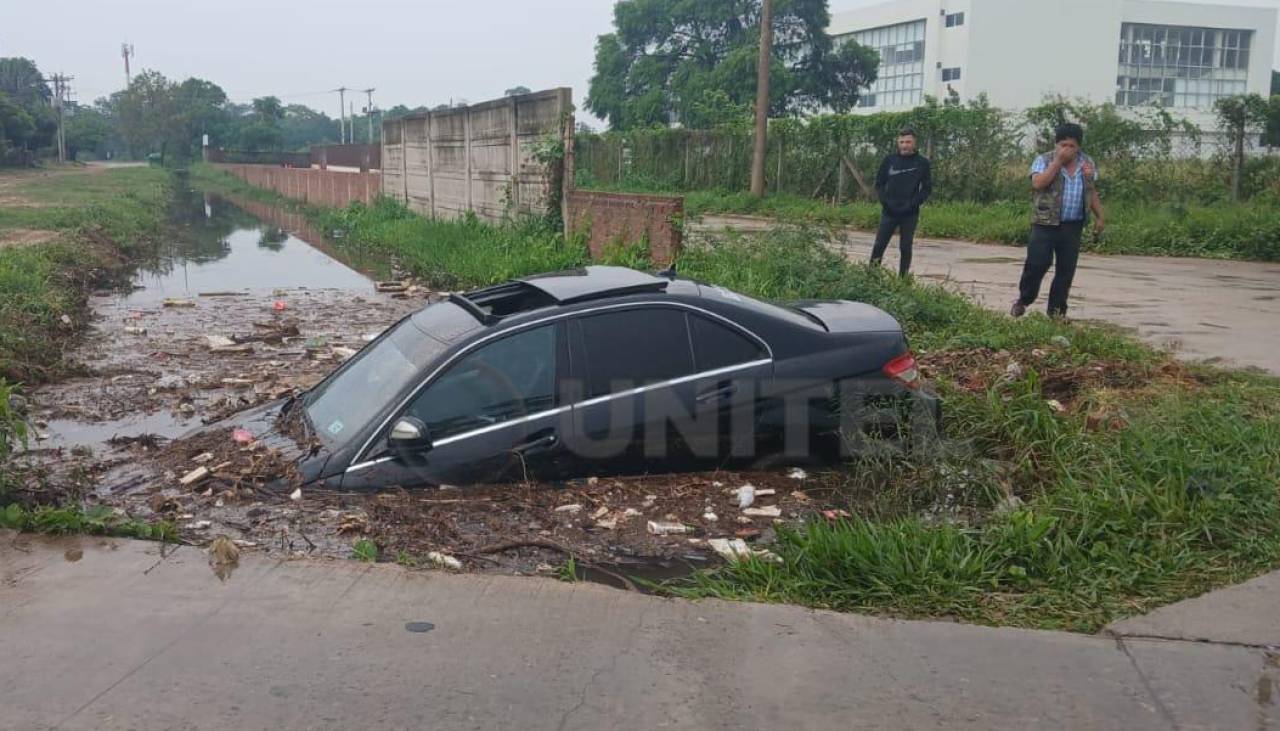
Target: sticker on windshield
336,428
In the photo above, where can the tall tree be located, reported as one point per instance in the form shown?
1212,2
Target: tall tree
201,109
22,82
303,126
147,113
665,58
263,131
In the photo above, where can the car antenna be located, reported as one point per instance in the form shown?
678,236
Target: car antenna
669,272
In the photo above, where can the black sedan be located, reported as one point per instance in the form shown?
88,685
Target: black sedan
606,370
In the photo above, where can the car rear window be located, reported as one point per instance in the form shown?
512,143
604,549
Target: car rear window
631,348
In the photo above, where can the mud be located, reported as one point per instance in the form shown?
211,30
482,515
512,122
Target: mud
240,312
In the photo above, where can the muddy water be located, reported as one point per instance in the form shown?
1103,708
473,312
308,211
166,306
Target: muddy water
224,273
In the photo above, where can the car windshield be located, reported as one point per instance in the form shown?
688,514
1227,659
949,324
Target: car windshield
345,402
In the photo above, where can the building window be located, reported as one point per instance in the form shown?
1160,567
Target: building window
951,74
1181,66
954,20
901,79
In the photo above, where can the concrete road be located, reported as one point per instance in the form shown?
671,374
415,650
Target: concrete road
1202,308
107,634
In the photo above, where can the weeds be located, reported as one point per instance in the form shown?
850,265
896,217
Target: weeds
364,550
568,571
97,520
103,219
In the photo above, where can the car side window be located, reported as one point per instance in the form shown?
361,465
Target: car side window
503,380
716,345
630,348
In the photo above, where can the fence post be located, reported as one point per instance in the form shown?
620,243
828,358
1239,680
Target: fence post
515,155
782,152
466,148
684,179
431,165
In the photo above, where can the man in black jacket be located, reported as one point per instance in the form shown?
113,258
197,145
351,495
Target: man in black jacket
903,184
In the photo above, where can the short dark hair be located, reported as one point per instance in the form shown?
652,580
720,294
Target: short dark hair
1069,131
907,132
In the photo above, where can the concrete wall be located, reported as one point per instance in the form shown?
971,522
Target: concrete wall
317,187
611,219
478,158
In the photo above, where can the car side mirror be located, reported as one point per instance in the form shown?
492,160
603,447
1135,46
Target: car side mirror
409,434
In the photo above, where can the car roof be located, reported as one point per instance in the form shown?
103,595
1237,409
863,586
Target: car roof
593,282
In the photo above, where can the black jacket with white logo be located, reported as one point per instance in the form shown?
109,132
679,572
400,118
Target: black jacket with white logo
904,183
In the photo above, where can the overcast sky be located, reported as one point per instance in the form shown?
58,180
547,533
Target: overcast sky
413,52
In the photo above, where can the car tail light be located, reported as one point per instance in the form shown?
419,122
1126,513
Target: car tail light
903,369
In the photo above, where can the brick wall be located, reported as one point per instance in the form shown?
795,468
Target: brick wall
627,218
317,187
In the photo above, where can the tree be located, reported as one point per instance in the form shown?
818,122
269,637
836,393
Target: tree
16,126
1275,83
201,109
665,58
88,129
22,82
517,91
1238,117
147,115
263,131
303,126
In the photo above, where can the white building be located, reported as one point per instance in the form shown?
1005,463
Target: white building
1017,52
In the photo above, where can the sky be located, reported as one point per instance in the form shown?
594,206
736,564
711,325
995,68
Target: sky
422,52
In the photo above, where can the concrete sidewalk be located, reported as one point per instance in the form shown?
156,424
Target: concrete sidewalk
1204,308
107,634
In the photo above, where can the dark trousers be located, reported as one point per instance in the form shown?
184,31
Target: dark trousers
905,225
1056,245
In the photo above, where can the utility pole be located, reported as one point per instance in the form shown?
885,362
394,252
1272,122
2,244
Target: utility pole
351,130
369,111
126,50
342,114
61,94
762,99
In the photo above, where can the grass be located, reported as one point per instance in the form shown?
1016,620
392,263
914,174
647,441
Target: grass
97,520
1248,231
1182,498
365,550
102,219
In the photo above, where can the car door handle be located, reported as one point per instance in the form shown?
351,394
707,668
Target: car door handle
537,444
721,391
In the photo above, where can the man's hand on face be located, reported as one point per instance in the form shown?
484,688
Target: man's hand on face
1066,153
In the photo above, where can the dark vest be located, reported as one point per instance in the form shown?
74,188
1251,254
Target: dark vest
1046,205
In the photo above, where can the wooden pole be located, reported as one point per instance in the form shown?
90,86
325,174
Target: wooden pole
762,98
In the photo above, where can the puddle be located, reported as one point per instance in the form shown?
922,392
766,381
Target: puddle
69,434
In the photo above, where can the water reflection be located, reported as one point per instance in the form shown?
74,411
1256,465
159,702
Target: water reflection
224,247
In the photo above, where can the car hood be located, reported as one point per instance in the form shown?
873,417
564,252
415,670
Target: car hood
264,423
